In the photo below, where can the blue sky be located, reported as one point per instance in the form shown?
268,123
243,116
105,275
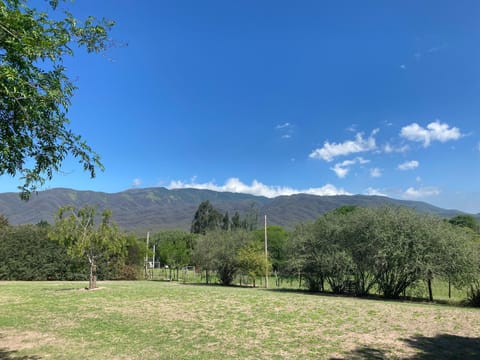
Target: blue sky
278,97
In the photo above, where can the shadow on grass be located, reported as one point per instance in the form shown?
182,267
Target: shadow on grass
443,346
13,355
373,297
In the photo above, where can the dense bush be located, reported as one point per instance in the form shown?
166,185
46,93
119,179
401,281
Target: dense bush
387,248
28,254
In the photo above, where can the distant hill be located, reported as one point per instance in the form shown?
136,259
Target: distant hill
153,209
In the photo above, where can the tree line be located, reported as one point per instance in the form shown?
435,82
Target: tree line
74,247
351,250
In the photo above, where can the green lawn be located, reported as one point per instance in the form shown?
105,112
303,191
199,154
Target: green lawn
162,320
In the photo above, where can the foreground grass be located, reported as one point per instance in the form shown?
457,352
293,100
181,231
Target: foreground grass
157,320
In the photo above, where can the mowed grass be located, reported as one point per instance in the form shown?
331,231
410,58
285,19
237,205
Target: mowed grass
161,320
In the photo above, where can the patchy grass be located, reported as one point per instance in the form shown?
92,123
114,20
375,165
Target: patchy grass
160,320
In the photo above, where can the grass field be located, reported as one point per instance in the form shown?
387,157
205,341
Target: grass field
166,320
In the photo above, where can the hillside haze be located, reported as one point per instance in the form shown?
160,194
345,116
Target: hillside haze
153,209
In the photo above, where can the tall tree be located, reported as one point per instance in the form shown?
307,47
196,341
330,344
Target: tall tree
35,91
236,221
226,222
76,230
206,218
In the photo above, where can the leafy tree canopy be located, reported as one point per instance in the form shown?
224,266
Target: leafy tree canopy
76,230
35,91
467,221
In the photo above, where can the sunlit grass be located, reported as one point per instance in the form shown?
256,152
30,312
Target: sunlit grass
168,320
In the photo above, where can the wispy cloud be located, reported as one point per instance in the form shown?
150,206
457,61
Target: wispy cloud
435,131
235,185
285,129
329,151
136,182
403,67
283,126
408,165
372,191
435,49
352,128
375,172
388,148
423,192
343,168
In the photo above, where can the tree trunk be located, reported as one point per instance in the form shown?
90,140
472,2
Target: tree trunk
92,284
449,289
430,293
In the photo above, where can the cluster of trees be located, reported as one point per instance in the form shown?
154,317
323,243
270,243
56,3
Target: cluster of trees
207,218
218,244
349,250
386,249
355,250
73,248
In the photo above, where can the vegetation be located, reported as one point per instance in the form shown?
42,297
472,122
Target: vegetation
27,253
76,230
389,249
174,249
386,251
160,320
35,91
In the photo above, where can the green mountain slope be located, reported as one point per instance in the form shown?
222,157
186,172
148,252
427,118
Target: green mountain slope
159,208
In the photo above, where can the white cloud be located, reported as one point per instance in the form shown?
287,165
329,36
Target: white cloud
412,193
435,131
235,185
331,150
403,67
375,172
136,182
372,191
388,149
418,179
408,165
343,168
286,136
283,126
340,171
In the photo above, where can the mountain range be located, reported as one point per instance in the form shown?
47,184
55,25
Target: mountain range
152,209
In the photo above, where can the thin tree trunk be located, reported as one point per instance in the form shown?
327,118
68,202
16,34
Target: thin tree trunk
92,283
430,293
449,289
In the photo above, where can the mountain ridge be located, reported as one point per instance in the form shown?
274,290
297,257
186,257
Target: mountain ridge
152,209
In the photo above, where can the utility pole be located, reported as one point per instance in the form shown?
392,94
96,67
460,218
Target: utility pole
266,254
146,254
153,260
